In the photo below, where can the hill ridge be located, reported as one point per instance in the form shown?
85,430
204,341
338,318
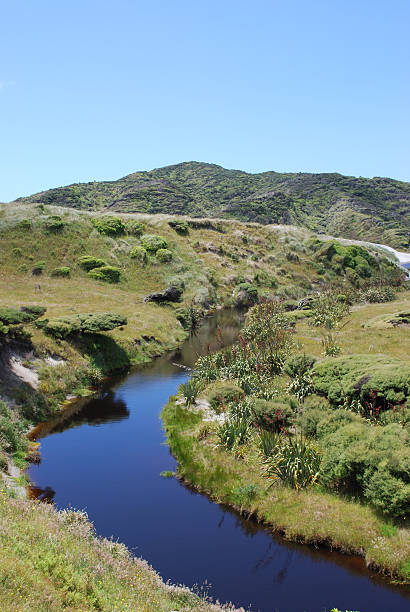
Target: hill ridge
374,209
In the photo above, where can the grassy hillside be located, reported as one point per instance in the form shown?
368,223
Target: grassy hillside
44,255
374,209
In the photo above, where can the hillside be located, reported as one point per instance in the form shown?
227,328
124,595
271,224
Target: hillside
374,209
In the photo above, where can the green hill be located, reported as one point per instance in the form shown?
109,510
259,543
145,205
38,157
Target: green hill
374,209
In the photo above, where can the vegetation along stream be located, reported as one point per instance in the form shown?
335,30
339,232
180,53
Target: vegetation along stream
106,457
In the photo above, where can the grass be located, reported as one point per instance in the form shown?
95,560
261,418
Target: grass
52,561
311,516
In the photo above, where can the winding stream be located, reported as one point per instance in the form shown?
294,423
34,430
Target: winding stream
106,458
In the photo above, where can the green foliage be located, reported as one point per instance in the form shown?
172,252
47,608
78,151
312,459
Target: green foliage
190,390
88,262
153,243
221,393
109,225
328,310
233,433
12,439
366,209
373,460
108,274
296,463
190,317
134,227
271,415
268,442
62,272
64,327
181,227
299,365
380,381
53,223
26,314
377,294
164,255
38,268
244,494
139,254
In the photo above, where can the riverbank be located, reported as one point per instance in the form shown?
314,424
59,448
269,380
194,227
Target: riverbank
53,561
308,516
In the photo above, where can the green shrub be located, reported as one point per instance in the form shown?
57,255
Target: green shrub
352,277
26,314
296,463
17,252
53,223
24,225
190,391
379,381
363,271
108,225
139,253
308,421
271,415
181,227
164,255
88,262
62,272
377,294
333,420
387,493
62,327
134,228
299,365
221,393
38,268
153,243
108,274
233,433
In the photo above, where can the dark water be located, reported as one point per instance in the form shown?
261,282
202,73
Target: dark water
107,458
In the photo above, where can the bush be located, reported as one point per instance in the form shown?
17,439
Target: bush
139,253
299,365
371,461
108,225
233,433
181,227
221,393
164,255
297,463
387,493
88,262
363,271
152,242
134,228
377,295
271,415
38,268
26,314
190,391
377,381
53,223
62,272
62,327
108,274
334,420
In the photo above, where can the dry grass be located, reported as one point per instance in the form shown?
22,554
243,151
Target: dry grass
52,561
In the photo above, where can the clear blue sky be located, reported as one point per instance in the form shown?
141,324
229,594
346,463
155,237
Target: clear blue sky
96,89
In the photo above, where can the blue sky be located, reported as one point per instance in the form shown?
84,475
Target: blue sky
94,90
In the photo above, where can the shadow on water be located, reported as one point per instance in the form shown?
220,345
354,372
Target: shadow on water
105,455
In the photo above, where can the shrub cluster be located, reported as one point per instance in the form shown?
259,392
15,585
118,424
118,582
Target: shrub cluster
377,382
153,243
139,254
109,225
134,228
62,272
164,255
63,327
108,274
89,262
181,227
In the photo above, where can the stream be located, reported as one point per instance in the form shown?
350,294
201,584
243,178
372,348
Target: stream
105,456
